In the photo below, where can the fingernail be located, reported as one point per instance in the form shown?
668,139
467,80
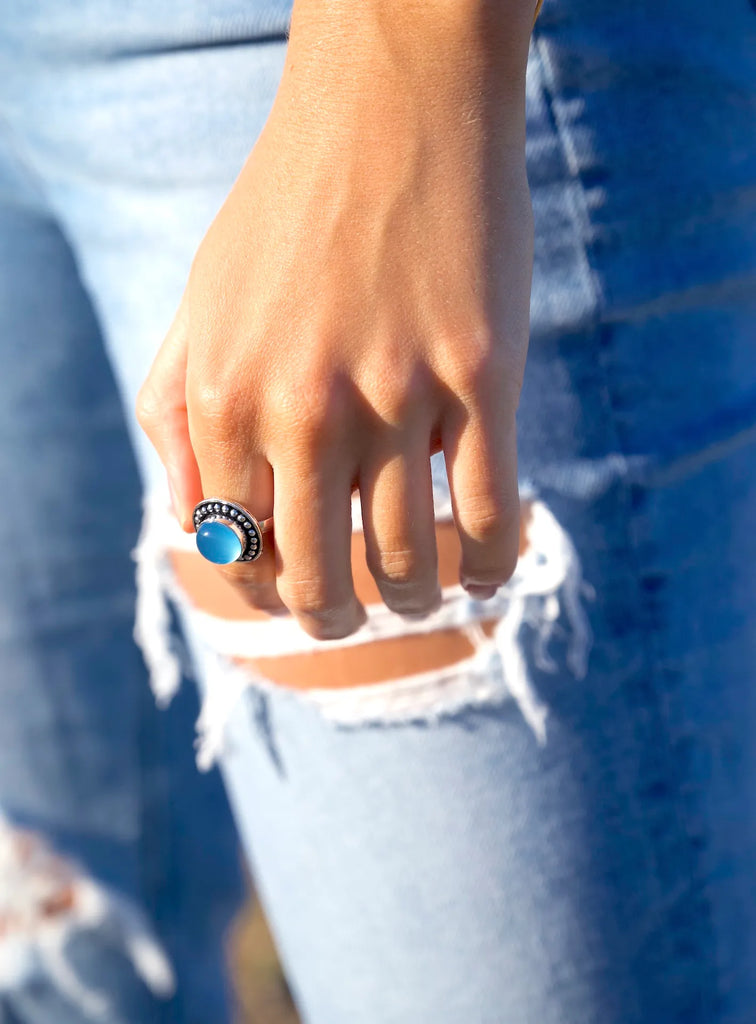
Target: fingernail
480,593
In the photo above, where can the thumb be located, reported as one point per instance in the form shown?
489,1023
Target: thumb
161,413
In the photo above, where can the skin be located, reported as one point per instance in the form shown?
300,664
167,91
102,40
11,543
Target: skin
360,301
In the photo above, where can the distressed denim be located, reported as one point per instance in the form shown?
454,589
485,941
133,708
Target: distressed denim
560,829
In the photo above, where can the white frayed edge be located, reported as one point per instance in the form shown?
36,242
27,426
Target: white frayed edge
223,683
425,696
152,615
554,573
44,900
548,580
515,669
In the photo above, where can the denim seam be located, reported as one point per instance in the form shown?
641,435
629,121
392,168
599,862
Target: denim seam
626,487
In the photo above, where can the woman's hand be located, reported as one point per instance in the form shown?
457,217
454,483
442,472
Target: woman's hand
360,301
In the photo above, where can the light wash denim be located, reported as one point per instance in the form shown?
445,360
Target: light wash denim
561,830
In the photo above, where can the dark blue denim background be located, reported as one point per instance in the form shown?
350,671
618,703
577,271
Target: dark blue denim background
85,755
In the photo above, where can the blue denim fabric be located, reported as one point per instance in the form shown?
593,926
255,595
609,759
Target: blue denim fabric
450,870
85,756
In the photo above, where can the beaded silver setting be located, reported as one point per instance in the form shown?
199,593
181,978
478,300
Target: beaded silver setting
243,523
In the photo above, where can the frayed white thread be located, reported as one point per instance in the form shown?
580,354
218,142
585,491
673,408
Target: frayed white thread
555,574
547,581
223,684
152,616
515,669
46,898
424,696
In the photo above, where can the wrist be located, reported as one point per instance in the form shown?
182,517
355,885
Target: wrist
444,63
503,22
462,33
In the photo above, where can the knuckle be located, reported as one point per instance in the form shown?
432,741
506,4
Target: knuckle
311,597
213,403
483,524
481,368
488,518
393,408
499,536
223,417
469,353
396,567
235,574
402,394
262,596
310,415
404,584
148,407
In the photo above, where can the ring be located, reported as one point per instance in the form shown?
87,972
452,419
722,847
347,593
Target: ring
227,532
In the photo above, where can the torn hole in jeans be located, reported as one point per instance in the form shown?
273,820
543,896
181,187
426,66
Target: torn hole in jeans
45,899
547,584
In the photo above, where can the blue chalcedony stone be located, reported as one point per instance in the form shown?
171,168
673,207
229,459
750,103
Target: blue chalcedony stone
218,543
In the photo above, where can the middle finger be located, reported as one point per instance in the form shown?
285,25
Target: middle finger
313,517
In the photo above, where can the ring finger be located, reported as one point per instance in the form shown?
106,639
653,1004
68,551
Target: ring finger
313,513
253,489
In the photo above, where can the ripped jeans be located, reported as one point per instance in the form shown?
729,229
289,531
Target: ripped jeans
559,827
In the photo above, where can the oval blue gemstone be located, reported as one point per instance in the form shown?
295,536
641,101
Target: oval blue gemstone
218,543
